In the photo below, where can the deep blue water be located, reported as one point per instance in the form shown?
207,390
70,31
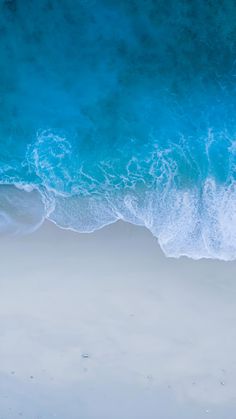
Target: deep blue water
121,109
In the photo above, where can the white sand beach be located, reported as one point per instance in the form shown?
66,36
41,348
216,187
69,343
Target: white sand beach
104,326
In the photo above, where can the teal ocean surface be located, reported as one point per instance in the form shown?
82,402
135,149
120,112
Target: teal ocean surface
121,109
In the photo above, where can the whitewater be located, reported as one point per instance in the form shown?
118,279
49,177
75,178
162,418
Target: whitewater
120,110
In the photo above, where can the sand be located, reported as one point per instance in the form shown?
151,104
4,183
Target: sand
103,325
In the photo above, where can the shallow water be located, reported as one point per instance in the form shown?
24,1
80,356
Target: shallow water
121,110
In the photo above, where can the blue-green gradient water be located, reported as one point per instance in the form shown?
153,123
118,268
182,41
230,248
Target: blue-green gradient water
121,109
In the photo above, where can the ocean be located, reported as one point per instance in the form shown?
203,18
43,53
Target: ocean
121,110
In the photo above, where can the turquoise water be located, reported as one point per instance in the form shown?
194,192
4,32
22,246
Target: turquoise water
121,110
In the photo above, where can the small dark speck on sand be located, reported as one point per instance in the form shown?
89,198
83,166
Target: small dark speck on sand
85,356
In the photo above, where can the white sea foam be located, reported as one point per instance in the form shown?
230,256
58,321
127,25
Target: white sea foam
197,224
196,221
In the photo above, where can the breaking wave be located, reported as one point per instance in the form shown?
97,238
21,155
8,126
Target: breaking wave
193,219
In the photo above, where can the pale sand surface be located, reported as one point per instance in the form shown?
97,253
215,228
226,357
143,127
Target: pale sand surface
104,326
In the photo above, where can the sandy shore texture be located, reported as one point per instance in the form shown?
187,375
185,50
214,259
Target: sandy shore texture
104,326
